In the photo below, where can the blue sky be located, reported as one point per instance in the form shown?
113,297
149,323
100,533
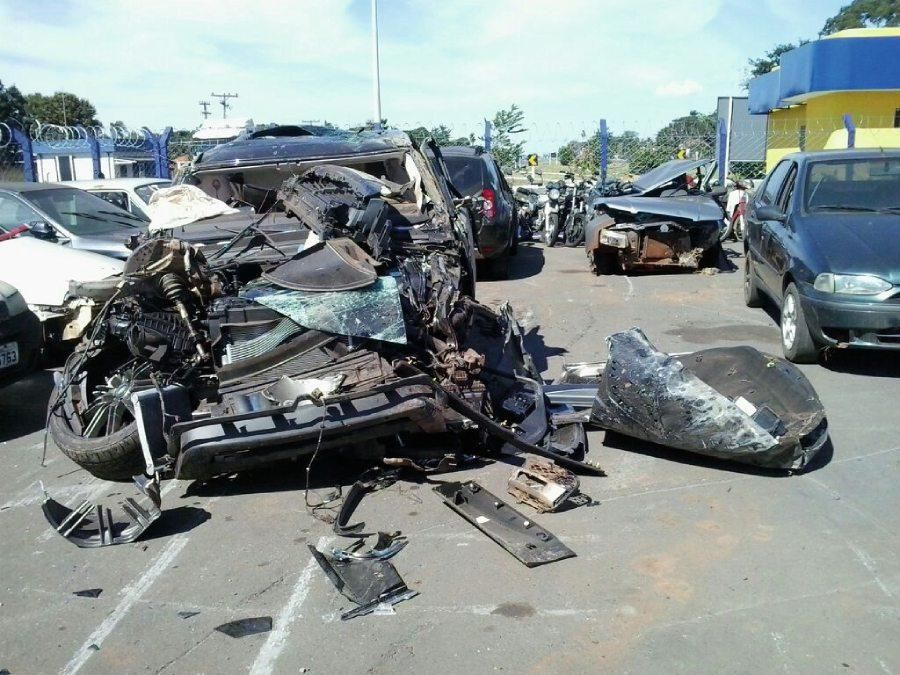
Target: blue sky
566,63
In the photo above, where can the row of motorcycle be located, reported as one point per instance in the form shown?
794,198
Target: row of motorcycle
557,212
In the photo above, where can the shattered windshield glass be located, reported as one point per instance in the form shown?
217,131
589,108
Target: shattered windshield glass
372,312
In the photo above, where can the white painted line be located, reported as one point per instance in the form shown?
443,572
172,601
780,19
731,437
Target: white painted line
131,594
271,650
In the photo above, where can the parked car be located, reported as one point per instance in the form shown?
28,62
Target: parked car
129,194
66,215
475,173
50,279
823,241
20,335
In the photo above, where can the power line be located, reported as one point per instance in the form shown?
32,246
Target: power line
205,106
224,102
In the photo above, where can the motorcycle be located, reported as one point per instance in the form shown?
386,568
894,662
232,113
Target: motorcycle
736,210
552,207
573,230
528,212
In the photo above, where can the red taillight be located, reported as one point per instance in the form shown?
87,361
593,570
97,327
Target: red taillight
488,206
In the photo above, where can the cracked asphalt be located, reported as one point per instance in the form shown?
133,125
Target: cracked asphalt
682,566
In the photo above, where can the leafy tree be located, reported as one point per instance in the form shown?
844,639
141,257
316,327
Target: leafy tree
12,104
506,124
566,154
61,108
864,14
440,134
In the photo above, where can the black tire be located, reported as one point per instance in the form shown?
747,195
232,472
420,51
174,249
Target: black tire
551,230
712,257
114,457
796,343
752,296
602,262
574,232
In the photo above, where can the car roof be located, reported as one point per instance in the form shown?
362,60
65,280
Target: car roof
468,150
115,182
286,143
843,153
32,187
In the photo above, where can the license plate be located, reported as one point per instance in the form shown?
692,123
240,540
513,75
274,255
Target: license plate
9,354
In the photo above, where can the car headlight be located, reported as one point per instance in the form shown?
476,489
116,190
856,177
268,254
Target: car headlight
15,304
553,193
851,284
616,239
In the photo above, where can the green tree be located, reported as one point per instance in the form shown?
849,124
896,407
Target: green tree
566,154
12,104
864,14
61,108
506,124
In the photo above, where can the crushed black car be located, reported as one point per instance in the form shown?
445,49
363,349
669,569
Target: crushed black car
356,333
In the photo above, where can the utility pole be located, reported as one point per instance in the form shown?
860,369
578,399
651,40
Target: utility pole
205,106
376,71
224,103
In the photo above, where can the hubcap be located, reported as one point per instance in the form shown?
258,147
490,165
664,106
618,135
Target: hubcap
789,321
111,408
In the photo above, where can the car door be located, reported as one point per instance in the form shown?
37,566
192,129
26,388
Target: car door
777,246
759,231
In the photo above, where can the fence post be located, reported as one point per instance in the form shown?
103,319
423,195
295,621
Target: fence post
94,147
604,151
159,146
722,149
487,136
23,140
851,131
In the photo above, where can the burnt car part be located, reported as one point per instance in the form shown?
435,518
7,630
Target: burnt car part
368,582
542,486
526,540
732,403
243,627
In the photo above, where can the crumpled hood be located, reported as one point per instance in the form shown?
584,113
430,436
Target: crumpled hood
42,270
665,173
855,243
697,207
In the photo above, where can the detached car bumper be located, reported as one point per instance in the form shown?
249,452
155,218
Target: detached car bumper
25,332
873,325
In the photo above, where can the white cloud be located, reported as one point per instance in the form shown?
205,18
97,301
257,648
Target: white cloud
679,88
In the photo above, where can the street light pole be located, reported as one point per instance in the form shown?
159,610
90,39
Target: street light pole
376,70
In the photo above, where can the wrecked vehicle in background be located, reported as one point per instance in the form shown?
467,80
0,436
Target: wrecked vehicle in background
732,403
355,331
664,220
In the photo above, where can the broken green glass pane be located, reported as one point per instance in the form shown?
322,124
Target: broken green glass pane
372,312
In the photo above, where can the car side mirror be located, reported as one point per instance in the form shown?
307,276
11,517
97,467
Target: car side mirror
41,229
770,213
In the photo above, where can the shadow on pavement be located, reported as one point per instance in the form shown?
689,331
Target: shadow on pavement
863,362
178,520
534,345
528,262
621,442
23,405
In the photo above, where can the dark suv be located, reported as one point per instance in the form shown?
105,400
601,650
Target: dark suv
476,174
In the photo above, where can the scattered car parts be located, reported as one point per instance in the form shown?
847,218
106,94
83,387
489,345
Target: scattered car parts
526,540
542,486
244,627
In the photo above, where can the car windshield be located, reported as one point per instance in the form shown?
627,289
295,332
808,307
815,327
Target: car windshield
82,213
144,192
466,173
870,184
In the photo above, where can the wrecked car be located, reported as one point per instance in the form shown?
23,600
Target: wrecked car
666,219
353,331
627,233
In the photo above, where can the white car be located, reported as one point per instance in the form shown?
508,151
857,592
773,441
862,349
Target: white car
42,272
130,194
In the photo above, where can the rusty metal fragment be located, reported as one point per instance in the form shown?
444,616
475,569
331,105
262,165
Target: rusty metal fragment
542,485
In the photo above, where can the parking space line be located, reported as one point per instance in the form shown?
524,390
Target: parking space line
271,650
131,594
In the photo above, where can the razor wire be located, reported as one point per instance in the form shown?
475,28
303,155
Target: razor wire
65,137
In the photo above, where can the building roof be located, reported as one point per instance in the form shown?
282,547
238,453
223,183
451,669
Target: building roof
852,60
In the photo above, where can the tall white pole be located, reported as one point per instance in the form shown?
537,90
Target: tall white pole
376,71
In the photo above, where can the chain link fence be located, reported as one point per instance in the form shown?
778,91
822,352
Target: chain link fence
10,155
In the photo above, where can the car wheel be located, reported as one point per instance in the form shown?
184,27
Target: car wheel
712,256
796,341
752,297
738,227
602,262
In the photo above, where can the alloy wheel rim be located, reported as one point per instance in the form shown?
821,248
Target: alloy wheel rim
789,321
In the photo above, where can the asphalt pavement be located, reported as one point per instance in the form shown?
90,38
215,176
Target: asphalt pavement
683,565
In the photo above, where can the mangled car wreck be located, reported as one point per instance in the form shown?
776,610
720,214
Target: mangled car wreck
662,220
354,330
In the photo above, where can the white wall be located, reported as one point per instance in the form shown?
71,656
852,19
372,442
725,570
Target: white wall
82,168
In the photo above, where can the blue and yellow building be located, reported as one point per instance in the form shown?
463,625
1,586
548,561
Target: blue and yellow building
852,74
